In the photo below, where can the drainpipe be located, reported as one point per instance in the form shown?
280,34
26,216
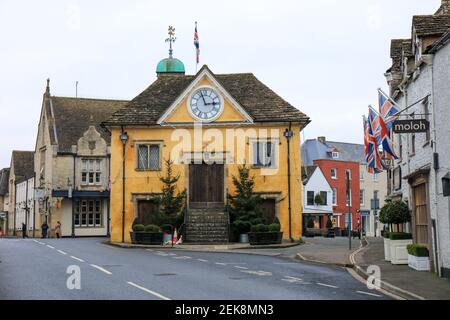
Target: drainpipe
34,205
435,169
124,139
15,198
73,199
108,213
288,134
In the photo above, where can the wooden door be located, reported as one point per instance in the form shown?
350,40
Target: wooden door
147,211
268,210
206,185
421,214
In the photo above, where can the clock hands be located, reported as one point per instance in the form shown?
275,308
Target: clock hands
203,98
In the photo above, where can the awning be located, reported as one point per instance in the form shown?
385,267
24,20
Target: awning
80,194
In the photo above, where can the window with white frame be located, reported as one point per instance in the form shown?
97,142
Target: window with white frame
264,154
349,174
375,176
88,213
335,155
361,197
91,172
334,174
334,197
310,198
362,173
149,157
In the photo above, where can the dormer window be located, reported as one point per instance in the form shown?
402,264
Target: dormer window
335,155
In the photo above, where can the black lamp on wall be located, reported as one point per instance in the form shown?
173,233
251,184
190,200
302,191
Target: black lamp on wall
446,185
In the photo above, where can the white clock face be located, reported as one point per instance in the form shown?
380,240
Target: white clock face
205,104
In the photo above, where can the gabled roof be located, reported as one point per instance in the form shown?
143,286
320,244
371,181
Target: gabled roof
73,116
431,25
397,53
23,163
315,150
260,102
4,181
439,43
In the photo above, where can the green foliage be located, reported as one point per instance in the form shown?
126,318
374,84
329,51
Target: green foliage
386,234
274,227
400,236
171,203
396,212
418,250
241,226
277,221
310,224
318,200
135,222
260,228
152,228
245,206
138,228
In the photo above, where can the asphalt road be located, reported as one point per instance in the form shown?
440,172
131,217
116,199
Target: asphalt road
37,269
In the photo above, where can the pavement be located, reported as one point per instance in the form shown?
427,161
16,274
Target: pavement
49,268
400,279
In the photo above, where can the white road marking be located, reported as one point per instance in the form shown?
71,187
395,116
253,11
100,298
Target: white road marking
62,252
370,294
151,250
162,254
239,267
292,279
101,269
51,247
258,273
202,260
156,294
326,285
35,241
221,263
78,259
182,258
172,254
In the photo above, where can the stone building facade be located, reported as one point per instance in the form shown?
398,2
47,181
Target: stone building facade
4,198
418,83
72,165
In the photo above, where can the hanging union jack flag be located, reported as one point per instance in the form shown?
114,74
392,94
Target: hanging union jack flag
388,111
197,44
374,161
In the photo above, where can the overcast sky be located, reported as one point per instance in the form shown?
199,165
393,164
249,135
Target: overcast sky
326,57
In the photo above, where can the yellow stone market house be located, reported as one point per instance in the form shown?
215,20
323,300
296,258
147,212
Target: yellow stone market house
208,125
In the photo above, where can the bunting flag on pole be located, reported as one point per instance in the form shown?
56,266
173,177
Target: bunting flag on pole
366,142
374,158
197,44
388,110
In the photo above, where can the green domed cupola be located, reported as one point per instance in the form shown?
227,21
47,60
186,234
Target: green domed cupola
170,65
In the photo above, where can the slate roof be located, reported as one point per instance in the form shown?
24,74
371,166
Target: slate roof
315,150
4,181
397,53
431,25
307,172
257,99
23,163
73,116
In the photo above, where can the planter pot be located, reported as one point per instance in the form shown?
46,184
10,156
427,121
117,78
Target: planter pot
263,238
399,254
387,249
419,263
150,238
243,238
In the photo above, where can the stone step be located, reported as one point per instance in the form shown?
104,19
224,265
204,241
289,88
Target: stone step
206,229
201,239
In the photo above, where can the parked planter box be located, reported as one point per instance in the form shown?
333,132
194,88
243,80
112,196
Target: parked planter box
387,249
263,238
399,254
419,263
150,238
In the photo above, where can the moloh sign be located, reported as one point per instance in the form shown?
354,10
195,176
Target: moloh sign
411,126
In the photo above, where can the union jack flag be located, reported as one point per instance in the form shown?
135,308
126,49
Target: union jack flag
385,140
197,44
388,111
366,143
374,161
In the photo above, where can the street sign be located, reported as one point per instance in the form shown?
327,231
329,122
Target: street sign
2,215
411,126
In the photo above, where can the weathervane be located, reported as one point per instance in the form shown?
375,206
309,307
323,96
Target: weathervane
171,39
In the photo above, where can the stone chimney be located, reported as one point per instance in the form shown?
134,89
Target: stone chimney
322,140
445,7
